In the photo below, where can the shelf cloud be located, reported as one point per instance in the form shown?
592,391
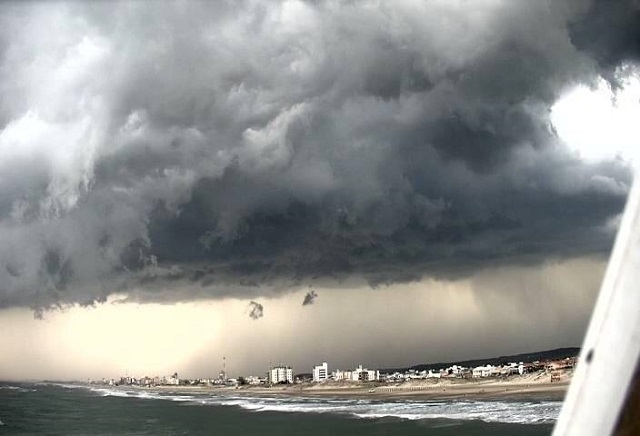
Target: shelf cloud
202,150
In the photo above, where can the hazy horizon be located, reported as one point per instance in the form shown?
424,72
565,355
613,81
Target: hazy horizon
429,321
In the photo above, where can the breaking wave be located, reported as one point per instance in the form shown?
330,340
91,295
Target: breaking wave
17,388
513,412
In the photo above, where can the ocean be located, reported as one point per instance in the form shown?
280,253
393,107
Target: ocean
59,409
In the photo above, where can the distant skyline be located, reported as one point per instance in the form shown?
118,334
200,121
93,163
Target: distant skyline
386,182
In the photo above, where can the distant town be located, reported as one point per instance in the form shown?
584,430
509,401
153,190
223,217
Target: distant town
283,374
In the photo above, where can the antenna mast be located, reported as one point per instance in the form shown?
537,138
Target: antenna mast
224,368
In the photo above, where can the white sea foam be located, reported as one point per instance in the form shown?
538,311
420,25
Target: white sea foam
17,388
64,385
516,412
136,393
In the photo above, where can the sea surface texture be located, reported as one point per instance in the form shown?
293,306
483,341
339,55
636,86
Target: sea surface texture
58,409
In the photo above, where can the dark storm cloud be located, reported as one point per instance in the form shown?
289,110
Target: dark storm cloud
609,31
199,150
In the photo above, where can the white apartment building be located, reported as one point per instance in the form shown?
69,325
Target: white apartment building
280,374
358,374
321,372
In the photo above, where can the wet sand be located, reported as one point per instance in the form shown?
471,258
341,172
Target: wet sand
463,390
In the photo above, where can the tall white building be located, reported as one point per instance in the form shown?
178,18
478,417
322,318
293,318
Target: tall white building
321,372
280,374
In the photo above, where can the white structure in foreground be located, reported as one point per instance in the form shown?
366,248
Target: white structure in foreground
321,372
605,374
280,374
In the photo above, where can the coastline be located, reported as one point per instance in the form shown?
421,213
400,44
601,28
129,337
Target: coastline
517,387
123,409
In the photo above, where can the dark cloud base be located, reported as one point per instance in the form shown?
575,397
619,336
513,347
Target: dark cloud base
201,151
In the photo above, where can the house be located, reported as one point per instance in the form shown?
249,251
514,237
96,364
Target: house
482,371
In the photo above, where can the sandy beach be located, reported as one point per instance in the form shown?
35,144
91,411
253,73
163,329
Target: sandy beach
530,385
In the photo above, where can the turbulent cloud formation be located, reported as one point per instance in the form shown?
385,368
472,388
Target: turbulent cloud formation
256,310
216,149
609,31
310,298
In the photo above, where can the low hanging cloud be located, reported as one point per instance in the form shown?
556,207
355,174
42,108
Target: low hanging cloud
199,150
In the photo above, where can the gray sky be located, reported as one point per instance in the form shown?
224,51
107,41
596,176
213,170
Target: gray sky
347,155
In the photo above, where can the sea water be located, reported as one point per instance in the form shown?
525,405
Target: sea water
59,409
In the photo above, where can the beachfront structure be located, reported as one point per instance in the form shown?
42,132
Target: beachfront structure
365,374
320,372
482,371
513,368
339,375
432,374
455,370
358,374
555,365
174,380
280,374
253,380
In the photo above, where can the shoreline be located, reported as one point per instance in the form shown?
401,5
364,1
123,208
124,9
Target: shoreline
470,391
440,390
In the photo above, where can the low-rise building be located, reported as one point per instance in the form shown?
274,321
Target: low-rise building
174,380
432,374
482,371
253,380
358,374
